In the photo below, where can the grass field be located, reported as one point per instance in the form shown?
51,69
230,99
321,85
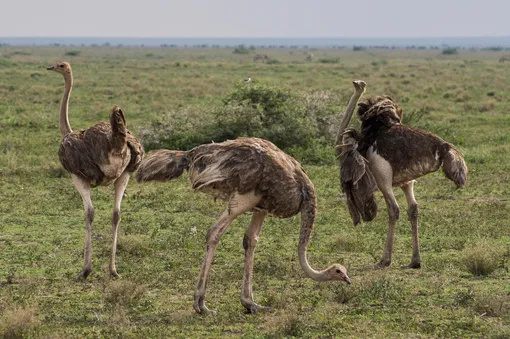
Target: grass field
463,98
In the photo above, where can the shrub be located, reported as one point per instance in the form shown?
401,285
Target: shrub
302,125
241,49
482,259
329,60
73,53
6,63
450,51
178,129
273,62
272,113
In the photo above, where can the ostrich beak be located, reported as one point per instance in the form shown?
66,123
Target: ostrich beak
347,280
50,68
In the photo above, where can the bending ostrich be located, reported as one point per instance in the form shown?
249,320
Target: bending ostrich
100,155
388,154
251,174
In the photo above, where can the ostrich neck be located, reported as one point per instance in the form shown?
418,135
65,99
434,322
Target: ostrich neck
309,271
353,101
65,127
307,221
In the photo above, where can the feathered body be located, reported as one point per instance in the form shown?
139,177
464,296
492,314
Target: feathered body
390,154
102,152
237,166
411,152
252,175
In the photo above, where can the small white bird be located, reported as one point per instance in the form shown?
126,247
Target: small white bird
247,80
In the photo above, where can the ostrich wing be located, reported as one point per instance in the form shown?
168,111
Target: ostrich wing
359,186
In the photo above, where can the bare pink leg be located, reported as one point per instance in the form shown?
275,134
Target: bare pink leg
120,187
238,205
250,240
412,212
83,187
383,174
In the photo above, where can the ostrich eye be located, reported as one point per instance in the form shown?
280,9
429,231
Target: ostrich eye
61,65
337,270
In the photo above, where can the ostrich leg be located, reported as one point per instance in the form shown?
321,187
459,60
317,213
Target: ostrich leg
120,187
383,175
250,240
412,212
83,187
237,205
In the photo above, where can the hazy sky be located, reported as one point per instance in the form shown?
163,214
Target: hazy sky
255,18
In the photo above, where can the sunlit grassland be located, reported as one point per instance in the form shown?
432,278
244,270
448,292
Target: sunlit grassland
162,234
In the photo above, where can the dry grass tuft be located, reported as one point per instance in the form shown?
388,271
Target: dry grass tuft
15,323
123,292
487,106
483,258
492,305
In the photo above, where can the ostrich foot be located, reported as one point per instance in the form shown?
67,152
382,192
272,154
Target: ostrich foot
199,306
84,273
382,264
114,274
254,308
412,265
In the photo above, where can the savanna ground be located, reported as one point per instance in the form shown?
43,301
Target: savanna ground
462,289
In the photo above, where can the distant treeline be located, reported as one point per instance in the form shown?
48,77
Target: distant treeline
253,47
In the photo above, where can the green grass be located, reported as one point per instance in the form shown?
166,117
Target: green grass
163,227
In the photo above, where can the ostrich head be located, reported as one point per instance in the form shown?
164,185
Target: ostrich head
62,68
336,272
359,85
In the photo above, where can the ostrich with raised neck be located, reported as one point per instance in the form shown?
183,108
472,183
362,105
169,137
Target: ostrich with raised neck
387,154
251,174
100,155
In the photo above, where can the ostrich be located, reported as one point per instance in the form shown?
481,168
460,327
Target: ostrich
100,155
388,154
251,174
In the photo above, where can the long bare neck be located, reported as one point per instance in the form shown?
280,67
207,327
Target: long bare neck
307,222
353,101
65,127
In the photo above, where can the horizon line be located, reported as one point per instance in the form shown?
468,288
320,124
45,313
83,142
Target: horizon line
257,37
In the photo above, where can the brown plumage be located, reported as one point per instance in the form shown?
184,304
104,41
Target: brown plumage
396,156
91,153
356,180
252,175
100,155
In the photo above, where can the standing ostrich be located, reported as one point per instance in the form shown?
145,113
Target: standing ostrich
100,155
387,154
251,174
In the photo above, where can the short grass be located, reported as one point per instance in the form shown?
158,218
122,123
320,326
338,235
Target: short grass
463,98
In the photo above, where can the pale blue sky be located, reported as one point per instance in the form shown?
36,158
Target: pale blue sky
255,18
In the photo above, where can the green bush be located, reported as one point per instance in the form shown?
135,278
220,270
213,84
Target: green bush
241,49
73,53
180,129
329,60
301,124
450,51
272,113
